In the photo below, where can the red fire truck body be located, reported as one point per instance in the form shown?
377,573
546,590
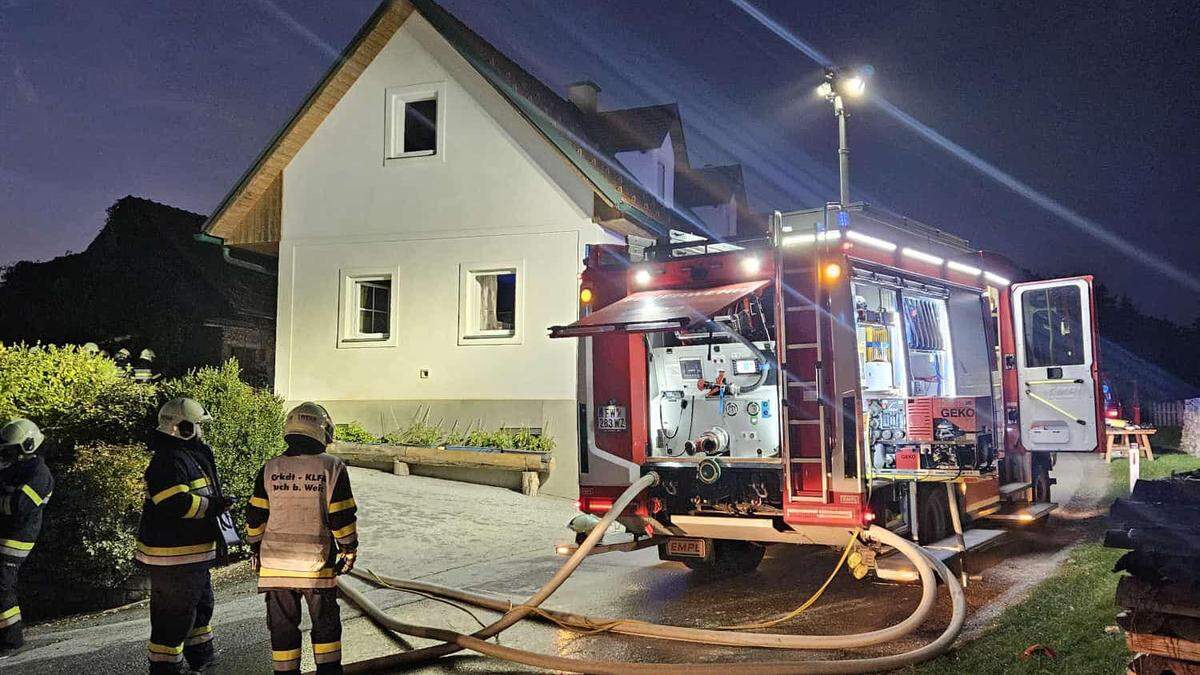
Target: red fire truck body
837,374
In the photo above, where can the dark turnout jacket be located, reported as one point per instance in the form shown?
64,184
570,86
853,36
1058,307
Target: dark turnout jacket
25,488
301,515
182,500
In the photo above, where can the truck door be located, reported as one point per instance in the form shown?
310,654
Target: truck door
1056,360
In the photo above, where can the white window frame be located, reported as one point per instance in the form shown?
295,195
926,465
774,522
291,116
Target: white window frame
349,336
395,100
469,332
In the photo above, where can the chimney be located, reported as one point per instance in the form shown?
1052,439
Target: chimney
583,95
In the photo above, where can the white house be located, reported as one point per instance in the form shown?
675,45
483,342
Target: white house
430,205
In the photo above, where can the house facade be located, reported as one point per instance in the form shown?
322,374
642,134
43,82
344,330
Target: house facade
430,207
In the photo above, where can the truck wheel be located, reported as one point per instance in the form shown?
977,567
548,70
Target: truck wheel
730,557
934,513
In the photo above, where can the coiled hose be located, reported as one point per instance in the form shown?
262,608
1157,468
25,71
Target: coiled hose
453,641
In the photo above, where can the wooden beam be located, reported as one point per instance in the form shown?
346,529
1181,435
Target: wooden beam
376,456
1172,648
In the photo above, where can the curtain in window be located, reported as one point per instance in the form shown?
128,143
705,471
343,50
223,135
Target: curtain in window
488,291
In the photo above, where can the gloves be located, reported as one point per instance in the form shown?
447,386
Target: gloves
255,563
345,562
223,504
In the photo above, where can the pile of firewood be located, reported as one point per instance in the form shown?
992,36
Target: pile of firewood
1160,593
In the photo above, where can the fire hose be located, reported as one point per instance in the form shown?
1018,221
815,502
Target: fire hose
453,641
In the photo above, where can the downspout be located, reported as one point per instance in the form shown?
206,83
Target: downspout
236,262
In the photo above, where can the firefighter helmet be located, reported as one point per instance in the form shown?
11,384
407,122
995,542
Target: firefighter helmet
310,420
181,418
20,435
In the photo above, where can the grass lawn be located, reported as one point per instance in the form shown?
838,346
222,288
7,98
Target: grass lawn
1067,612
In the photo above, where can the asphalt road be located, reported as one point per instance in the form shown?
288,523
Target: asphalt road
491,540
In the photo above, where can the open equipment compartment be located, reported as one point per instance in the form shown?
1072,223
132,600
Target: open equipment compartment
926,375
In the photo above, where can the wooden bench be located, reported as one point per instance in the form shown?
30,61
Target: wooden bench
399,458
1125,440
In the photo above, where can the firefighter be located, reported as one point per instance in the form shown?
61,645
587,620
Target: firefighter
177,539
302,530
25,487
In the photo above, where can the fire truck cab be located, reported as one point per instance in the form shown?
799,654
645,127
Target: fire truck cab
853,368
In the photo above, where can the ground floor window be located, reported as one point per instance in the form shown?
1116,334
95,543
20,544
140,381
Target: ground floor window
490,303
367,309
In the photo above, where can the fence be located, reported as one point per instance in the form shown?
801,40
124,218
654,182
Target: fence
1164,413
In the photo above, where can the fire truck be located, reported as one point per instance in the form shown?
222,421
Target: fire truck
851,368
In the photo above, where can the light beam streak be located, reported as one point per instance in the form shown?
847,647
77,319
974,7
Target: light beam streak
1054,207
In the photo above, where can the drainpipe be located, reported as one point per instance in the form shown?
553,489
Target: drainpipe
236,262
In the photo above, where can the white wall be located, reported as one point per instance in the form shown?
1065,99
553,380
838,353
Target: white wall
720,220
644,167
496,191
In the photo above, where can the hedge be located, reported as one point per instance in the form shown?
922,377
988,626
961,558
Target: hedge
96,421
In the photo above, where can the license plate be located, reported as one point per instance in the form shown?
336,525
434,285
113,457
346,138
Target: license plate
688,548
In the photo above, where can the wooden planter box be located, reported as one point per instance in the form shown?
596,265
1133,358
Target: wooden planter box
458,464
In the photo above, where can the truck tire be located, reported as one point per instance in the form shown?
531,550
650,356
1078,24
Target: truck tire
933,513
730,557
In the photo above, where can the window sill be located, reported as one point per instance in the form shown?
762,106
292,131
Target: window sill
490,338
366,342
411,158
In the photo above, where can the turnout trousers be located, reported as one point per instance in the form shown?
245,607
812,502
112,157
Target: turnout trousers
181,607
283,620
10,613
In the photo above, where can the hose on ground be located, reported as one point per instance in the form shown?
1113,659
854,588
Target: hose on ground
595,667
452,641
713,636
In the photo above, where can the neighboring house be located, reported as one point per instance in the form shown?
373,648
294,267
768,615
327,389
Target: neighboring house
717,195
147,282
430,205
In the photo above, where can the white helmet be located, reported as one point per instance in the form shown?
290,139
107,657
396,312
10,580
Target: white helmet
20,437
310,420
181,418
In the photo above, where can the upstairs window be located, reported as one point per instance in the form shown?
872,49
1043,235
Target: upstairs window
490,304
414,121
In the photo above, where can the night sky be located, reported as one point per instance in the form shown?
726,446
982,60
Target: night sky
1094,104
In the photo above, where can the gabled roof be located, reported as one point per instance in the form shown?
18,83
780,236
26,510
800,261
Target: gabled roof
639,129
249,214
710,185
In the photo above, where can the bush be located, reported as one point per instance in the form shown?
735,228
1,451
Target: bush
353,432
95,418
76,396
89,531
420,433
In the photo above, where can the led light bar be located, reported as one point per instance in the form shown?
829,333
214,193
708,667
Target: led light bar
965,269
922,256
873,242
996,278
800,239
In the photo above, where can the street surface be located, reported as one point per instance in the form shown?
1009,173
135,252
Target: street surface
496,541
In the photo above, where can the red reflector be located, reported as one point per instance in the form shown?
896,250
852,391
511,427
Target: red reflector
598,505
649,530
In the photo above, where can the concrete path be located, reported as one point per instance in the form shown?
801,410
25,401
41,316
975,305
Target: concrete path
494,540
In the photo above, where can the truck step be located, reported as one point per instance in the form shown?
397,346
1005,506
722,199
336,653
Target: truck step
1023,513
975,539
1009,489
895,567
